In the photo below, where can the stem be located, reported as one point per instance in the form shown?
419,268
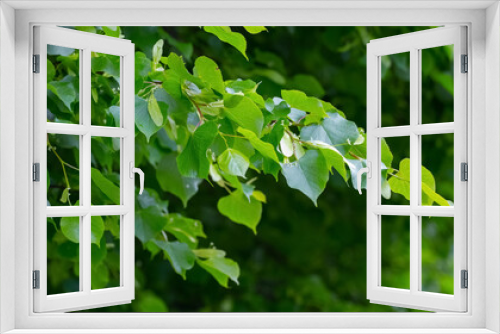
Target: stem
164,235
200,114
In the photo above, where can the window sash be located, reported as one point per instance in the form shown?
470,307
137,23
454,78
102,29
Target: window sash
86,43
414,298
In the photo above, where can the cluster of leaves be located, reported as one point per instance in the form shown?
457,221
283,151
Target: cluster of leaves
195,126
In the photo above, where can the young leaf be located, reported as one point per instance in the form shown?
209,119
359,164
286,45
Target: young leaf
309,174
262,147
221,269
180,256
239,209
148,223
235,39
255,29
106,186
334,130
193,160
246,114
157,53
143,119
209,72
311,105
169,178
233,162
185,229
154,110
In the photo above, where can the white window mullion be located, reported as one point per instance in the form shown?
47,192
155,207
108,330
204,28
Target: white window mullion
85,115
414,170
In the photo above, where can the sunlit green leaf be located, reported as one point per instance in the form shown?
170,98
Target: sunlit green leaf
233,162
239,209
235,39
309,174
180,256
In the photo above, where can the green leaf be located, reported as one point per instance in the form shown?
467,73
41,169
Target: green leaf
400,184
239,209
209,252
65,91
221,269
311,105
247,115
332,156
148,223
309,174
169,178
235,39
96,229
176,64
70,227
111,31
180,256
157,53
185,229
334,130
255,29
233,162
193,160
154,110
143,119
142,64
207,70
106,186
262,147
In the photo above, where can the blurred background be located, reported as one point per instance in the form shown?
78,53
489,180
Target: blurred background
304,258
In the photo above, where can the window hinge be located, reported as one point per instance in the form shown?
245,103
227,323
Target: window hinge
464,171
36,279
36,172
465,64
36,63
465,279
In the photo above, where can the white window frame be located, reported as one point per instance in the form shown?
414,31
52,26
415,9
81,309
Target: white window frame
17,19
413,44
85,43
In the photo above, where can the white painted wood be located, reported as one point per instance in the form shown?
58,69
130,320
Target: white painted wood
7,167
492,164
86,43
413,43
190,13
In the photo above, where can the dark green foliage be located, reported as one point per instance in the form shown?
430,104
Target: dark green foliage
224,139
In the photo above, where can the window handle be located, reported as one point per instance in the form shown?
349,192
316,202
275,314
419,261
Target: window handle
141,176
367,170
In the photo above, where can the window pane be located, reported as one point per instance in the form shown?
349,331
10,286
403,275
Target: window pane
63,84
105,172
395,167
437,176
63,255
437,254
395,99
105,250
395,251
105,80
437,84
63,175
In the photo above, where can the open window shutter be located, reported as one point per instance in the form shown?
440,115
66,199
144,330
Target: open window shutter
416,293
67,113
